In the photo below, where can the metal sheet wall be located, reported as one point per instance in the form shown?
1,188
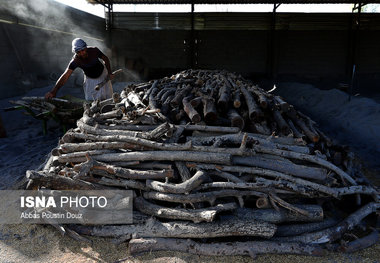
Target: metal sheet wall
369,52
305,45
312,52
161,51
239,51
242,21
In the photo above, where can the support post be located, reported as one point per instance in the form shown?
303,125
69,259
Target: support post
109,23
271,49
355,29
192,38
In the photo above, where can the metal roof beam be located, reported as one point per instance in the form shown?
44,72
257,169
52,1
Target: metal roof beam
358,6
99,2
103,2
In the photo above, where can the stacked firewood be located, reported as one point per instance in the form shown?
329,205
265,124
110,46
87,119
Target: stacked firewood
209,155
65,111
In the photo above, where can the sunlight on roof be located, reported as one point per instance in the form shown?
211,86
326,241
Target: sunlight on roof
310,8
98,10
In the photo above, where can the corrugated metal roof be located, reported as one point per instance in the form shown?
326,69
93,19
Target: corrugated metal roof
242,21
229,1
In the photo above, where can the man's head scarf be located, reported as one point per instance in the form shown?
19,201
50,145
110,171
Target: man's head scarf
78,44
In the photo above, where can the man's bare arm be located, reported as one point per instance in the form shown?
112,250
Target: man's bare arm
60,82
108,66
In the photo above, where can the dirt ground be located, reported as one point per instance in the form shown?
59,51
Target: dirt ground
43,243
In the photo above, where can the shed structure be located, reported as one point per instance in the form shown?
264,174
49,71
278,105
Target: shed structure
325,49
318,48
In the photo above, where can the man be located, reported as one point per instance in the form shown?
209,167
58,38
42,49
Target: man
87,58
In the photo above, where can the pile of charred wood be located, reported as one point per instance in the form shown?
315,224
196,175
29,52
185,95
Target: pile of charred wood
63,111
211,156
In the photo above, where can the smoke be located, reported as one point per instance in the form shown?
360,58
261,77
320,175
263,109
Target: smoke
42,32
59,22
35,12
45,13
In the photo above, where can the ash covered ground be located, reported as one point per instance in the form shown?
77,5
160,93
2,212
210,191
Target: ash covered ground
26,147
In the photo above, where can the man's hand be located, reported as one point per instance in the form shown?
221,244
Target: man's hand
60,82
111,76
50,95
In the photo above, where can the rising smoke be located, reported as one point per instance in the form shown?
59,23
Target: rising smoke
39,37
